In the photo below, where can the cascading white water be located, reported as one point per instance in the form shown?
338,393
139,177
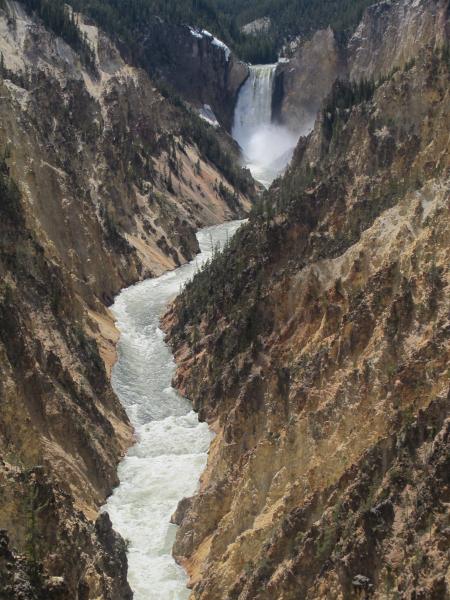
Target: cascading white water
267,147
165,464
254,106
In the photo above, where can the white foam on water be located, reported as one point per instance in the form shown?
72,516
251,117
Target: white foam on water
267,147
165,464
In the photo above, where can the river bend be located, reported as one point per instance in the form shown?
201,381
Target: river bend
171,450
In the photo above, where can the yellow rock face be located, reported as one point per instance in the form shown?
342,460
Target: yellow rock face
109,192
324,366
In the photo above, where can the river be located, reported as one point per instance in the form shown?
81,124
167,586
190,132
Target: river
171,450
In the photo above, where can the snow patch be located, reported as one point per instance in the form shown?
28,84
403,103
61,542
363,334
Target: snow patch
207,114
200,34
223,47
196,33
219,44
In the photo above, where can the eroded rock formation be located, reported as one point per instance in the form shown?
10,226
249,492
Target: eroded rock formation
199,67
388,36
302,83
103,182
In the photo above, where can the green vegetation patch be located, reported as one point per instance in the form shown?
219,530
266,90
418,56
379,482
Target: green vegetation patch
225,18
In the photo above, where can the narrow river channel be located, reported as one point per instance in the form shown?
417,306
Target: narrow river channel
171,450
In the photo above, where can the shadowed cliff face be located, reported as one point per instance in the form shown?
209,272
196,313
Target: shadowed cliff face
103,182
304,81
202,70
318,348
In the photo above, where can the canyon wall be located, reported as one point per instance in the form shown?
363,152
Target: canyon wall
388,36
317,348
391,33
103,182
198,66
302,83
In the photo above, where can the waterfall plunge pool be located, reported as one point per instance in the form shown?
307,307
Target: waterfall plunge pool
165,464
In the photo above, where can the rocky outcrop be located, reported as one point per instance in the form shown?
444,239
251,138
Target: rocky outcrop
257,26
103,181
389,35
198,66
302,83
54,535
318,349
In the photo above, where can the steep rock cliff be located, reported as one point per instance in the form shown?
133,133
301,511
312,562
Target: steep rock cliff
302,83
388,36
103,181
62,429
317,347
391,33
197,65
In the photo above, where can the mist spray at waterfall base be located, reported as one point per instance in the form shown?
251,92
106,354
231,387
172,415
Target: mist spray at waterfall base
267,147
268,150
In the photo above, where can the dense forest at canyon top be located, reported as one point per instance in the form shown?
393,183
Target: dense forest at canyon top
227,19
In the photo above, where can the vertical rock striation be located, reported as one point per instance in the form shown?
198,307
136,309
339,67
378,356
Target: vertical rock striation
389,35
304,81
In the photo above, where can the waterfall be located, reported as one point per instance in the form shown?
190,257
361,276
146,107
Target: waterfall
254,106
266,146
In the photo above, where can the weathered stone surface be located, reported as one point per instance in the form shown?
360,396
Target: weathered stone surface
261,25
302,83
388,36
391,33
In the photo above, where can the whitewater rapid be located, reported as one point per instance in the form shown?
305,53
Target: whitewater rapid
165,464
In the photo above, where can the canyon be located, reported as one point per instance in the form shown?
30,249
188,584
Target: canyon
315,347
170,454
